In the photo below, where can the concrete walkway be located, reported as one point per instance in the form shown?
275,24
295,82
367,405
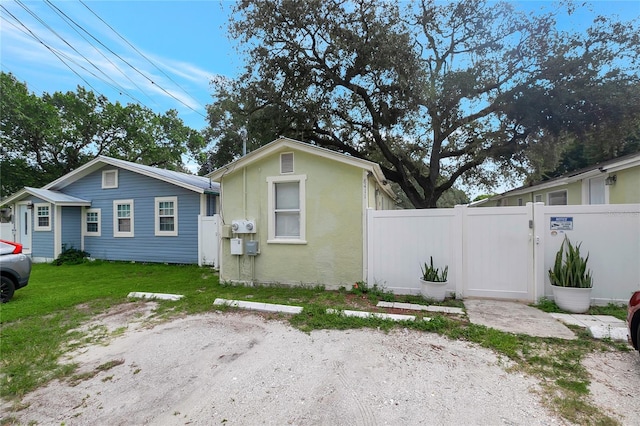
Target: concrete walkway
514,317
600,326
519,318
511,317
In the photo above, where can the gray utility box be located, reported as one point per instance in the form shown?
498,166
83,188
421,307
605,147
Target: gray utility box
251,248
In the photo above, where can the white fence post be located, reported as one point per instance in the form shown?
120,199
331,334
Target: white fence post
459,226
538,233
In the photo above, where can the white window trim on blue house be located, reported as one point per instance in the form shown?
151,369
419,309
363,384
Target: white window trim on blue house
42,208
98,221
271,206
116,229
174,215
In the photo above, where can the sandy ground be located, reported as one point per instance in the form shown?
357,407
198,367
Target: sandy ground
241,369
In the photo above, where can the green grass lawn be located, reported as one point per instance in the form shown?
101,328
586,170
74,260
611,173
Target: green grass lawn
39,325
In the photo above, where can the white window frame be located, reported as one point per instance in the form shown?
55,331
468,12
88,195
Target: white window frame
36,220
520,201
158,232
271,203
586,189
105,180
566,197
538,198
86,222
116,232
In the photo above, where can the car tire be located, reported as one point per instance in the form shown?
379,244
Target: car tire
6,289
638,338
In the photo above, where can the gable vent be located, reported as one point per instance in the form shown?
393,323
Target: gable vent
109,179
286,162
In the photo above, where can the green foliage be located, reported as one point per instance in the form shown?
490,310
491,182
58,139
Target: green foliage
316,317
618,311
547,305
451,198
374,293
431,273
45,137
570,268
71,256
437,93
483,196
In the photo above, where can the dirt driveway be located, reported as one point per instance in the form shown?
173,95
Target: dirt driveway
240,369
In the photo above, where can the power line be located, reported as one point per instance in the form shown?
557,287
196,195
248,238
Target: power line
67,20
134,48
60,54
49,48
139,72
47,26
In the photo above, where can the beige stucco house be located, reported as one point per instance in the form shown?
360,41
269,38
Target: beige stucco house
295,214
612,182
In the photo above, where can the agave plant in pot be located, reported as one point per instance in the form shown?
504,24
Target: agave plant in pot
570,279
433,283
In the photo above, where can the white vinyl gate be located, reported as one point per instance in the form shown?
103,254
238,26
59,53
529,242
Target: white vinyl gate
488,250
497,253
209,240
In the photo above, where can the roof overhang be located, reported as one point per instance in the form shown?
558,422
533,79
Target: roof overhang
100,161
50,196
288,143
607,167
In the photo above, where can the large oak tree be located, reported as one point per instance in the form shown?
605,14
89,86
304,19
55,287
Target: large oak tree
438,93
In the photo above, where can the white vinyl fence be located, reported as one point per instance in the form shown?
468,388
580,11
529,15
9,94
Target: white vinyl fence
504,252
209,240
6,231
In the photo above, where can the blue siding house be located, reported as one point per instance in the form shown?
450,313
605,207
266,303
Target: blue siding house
118,210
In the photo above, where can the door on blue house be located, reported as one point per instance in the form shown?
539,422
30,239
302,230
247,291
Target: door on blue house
23,227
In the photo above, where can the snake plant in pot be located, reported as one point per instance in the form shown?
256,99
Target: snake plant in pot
433,283
570,279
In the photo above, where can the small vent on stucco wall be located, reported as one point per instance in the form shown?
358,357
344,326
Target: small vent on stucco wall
286,162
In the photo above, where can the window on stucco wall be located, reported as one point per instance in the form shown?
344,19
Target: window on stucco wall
557,198
286,205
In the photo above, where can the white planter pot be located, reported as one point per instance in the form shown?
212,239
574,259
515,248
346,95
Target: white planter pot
433,290
572,299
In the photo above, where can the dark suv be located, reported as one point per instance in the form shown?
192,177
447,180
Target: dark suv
15,269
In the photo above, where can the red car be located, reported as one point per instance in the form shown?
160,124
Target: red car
633,320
